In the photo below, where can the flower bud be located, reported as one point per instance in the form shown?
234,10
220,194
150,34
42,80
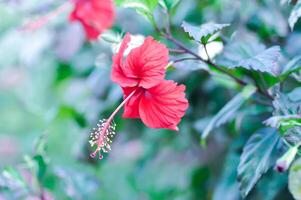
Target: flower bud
285,161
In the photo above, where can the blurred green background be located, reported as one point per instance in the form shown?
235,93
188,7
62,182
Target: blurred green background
55,86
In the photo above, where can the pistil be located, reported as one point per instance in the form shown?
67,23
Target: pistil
105,131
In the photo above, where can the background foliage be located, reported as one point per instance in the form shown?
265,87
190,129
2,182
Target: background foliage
54,86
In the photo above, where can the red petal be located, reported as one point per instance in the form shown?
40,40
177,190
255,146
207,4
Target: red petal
163,105
148,63
119,71
92,33
95,16
131,108
145,66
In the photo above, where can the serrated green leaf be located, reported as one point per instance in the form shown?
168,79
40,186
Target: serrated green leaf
228,112
295,15
288,104
294,179
203,32
265,61
259,154
289,107
251,56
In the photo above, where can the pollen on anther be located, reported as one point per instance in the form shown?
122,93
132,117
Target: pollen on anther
102,137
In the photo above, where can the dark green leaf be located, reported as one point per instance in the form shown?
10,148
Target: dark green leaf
41,167
204,32
259,154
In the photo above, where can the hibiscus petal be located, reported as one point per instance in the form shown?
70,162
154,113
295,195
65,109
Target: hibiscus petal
163,105
119,72
147,63
94,15
131,108
91,32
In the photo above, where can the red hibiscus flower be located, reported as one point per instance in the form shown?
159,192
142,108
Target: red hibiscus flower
157,102
95,16
161,106
145,66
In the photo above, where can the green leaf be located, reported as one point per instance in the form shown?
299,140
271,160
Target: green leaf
11,179
259,154
37,166
111,37
288,107
204,32
77,184
143,7
265,61
295,15
288,104
285,1
284,122
293,66
70,112
169,4
294,179
228,112
227,187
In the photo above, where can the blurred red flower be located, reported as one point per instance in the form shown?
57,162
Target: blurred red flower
157,102
95,16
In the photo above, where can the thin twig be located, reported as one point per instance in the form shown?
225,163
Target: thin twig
180,45
179,51
239,81
183,59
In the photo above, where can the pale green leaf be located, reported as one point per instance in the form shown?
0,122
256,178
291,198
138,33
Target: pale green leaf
228,112
251,56
293,66
202,33
295,15
294,179
259,154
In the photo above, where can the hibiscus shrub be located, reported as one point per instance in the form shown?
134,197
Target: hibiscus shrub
204,98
